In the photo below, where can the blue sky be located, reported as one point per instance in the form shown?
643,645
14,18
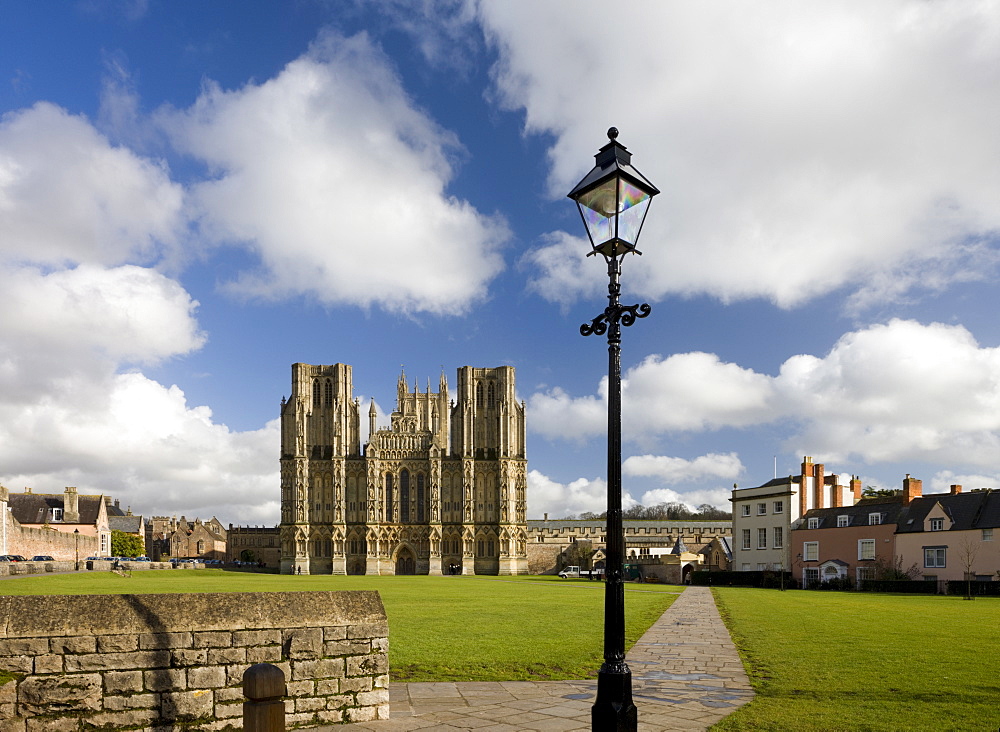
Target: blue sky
193,196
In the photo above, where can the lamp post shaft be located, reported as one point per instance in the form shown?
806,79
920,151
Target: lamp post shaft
613,709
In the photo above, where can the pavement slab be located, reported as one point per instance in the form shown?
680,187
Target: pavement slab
686,675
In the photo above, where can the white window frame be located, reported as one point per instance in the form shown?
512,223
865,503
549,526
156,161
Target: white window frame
746,538
862,545
761,566
987,535
778,541
812,523
874,519
937,560
810,551
937,524
779,506
810,574
762,538
745,509
843,520
762,509
745,567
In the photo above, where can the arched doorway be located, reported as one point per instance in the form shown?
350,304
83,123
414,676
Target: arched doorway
405,563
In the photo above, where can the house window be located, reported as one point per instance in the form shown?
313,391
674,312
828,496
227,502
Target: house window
745,509
761,509
746,538
810,551
874,519
761,566
762,538
865,573
866,549
779,537
105,543
745,567
809,575
934,556
987,534
937,524
813,523
779,506
843,520
57,514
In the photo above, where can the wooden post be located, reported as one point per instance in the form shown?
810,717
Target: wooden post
264,709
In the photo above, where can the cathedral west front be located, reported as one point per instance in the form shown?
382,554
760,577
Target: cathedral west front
441,489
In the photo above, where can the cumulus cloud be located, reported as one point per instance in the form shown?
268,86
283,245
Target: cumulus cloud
337,181
799,150
563,499
673,470
895,391
718,497
67,196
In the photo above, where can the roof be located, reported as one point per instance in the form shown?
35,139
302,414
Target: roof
973,510
889,507
32,508
128,524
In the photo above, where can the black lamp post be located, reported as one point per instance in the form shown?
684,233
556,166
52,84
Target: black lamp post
613,199
76,539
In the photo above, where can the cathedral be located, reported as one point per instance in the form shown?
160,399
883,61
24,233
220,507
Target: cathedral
440,490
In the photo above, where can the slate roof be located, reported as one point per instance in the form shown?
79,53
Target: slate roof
972,510
32,508
128,524
890,508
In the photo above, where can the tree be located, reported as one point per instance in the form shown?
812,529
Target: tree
968,550
126,545
871,491
578,553
893,569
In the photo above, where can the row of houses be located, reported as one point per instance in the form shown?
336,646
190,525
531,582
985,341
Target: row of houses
821,528
73,526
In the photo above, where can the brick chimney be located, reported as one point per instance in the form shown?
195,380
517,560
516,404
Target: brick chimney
807,472
71,506
836,492
856,488
912,488
820,486
956,489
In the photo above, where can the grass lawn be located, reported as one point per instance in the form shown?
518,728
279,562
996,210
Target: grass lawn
440,628
853,661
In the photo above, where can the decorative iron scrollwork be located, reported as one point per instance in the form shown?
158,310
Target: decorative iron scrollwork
614,314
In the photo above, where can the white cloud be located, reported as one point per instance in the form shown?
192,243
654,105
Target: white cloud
68,196
546,496
674,470
718,497
897,391
338,182
799,148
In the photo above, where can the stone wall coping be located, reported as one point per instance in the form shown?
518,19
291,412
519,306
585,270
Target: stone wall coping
77,615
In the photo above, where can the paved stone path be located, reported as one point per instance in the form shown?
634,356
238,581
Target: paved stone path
686,675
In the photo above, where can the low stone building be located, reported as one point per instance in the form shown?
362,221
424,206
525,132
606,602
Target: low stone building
260,544
548,539
173,538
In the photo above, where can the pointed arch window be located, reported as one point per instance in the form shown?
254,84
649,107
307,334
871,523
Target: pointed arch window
316,392
420,498
328,394
491,396
479,393
388,497
404,496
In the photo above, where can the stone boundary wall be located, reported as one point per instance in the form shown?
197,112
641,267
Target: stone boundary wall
100,565
176,662
29,541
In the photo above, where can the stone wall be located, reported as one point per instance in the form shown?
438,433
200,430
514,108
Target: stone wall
177,661
29,541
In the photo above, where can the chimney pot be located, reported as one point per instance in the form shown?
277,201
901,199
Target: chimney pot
956,489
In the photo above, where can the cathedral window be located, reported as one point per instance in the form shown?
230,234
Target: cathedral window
328,400
420,498
479,394
388,497
316,392
489,548
480,547
491,396
404,496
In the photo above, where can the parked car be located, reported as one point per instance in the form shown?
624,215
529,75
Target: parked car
42,558
15,558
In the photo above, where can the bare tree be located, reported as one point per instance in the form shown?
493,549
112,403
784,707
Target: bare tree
968,550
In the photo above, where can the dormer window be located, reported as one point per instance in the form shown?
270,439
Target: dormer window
874,519
55,515
812,523
937,524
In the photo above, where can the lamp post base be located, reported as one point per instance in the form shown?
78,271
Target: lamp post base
613,711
